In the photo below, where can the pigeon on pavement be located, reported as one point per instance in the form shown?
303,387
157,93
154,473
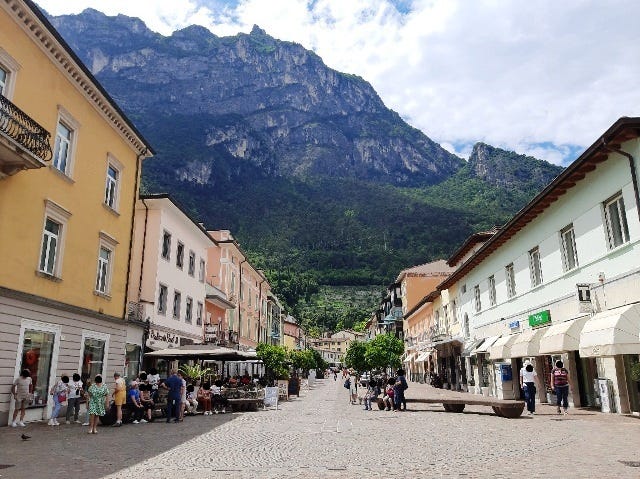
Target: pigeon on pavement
25,437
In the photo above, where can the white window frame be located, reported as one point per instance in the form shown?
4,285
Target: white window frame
510,276
108,243
180,255
70,123
188,314
162,299
112,186
165,235
88,334
568,247
199,309
192,263
11,68
492,290
60,215
621,221
535,267
476,298
177,295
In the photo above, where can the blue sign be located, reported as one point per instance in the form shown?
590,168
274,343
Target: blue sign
514,324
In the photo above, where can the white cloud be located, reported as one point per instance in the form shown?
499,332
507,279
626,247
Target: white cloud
511,74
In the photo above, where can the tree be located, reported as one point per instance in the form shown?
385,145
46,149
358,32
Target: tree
274,358
302,359
355,357
384,351
321,364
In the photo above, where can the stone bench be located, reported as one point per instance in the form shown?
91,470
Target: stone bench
509,408
245,404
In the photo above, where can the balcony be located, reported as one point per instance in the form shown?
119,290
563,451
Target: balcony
24,144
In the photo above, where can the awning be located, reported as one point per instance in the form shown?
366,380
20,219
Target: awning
484,345
422,357
502,347
616,331
563,337
203,352
527,343
409,358
470,345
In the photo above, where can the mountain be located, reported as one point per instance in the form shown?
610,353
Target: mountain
306,165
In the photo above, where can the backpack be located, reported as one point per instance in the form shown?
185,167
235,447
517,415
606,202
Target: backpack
347,384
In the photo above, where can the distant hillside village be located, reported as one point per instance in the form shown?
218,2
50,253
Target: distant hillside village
96,275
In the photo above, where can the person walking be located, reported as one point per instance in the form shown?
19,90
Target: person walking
119,397
528,377
560,382
97,403
22,390
73,401
174,399
399,387
59,391
353,389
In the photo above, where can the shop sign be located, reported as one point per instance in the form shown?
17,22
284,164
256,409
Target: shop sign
540,318
584,297
514,324
164,336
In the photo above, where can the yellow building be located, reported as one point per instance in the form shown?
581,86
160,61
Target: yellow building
69,172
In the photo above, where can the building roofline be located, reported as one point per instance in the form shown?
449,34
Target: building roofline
89,84
624,129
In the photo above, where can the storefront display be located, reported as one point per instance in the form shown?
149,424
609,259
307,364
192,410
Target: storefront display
93,357
37,352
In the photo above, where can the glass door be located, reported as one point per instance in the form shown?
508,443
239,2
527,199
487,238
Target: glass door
633,387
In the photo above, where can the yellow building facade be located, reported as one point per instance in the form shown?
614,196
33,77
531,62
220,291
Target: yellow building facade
69,175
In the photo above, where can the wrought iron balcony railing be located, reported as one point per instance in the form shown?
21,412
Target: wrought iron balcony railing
25,131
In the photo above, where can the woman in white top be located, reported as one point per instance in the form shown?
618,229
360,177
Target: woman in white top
528,384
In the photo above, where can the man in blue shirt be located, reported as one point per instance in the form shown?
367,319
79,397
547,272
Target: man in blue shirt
174,384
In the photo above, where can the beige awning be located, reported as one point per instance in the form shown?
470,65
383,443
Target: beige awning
502,347
422,357
527,343
612,332
484,345
563,337
409,358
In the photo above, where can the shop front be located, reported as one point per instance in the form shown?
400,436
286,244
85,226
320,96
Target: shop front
481,366
506,386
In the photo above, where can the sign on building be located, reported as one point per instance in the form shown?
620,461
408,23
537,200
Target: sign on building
540,318
584,297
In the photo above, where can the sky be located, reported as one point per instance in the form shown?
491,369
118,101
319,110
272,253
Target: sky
544,78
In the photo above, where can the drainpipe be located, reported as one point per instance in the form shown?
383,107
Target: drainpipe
634,177
144,247
139,159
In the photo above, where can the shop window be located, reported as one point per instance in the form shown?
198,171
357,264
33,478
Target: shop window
93,357
132,361
37,352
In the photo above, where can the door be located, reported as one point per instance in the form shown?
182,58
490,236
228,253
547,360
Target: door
587,373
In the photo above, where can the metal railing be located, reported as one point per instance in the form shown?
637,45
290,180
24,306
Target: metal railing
25,131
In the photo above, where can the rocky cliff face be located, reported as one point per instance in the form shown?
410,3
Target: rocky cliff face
508,169
255,99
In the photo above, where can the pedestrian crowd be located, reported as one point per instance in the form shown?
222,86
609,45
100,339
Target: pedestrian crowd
383,390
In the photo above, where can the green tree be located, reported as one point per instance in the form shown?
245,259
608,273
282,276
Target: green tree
274,358
384,351
302,359
321,364
355,357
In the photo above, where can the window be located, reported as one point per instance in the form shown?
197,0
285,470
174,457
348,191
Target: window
180,255
92,358
199,313
616,221
166,245
162,299
189,310
192,263
464,289
104,265
50,241
476,296
4,75
232,288
112,189
131,360
62,147
177,299
203,268
511,280
568,244
37,353
535,267
492,290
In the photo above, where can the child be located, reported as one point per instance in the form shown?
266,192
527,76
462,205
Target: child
388,397
191,403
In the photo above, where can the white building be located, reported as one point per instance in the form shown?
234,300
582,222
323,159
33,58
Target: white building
561,280
167,280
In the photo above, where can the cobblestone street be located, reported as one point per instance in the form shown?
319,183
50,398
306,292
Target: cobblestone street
320,435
